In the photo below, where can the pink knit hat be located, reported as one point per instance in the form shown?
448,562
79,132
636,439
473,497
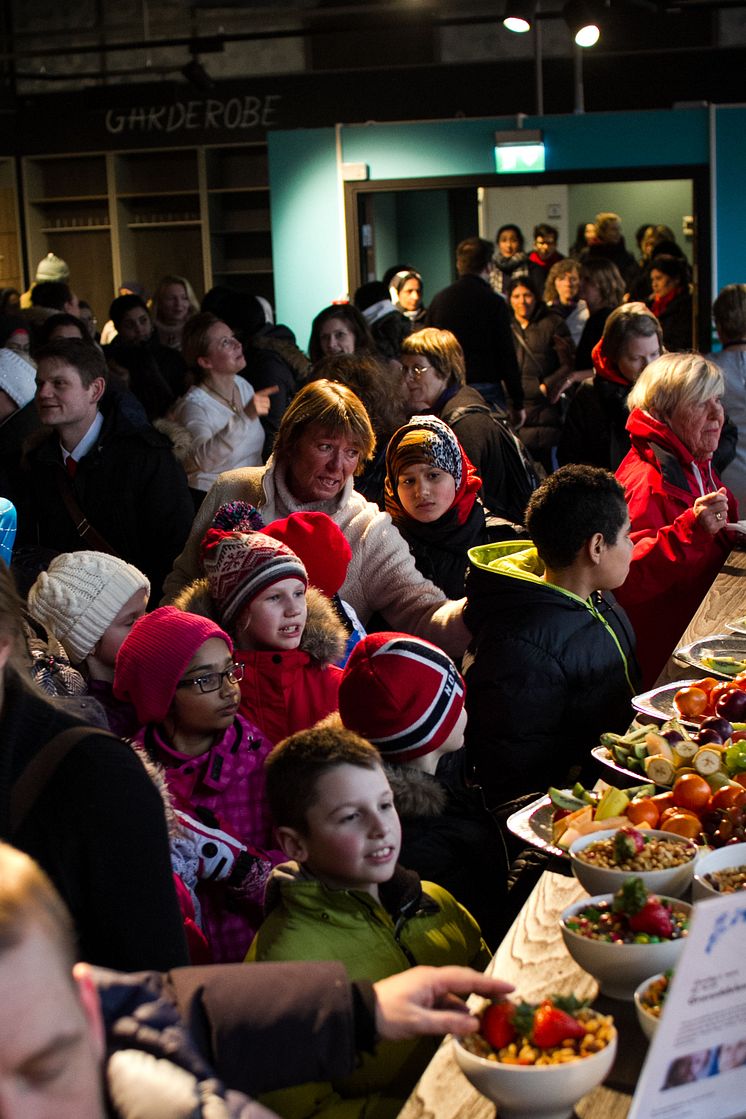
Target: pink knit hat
401,693
154,656
321,545
240,565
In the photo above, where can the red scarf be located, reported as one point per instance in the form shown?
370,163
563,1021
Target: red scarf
604,368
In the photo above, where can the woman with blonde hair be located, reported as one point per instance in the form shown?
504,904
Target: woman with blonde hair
173,303
679,509
324,442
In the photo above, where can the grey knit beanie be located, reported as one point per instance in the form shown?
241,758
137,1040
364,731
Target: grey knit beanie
80,595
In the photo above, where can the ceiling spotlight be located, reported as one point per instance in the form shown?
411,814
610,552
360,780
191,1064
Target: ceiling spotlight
582,19
519,15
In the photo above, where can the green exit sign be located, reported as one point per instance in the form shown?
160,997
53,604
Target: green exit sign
519,159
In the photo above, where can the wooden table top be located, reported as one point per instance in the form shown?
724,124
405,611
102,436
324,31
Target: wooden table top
533,956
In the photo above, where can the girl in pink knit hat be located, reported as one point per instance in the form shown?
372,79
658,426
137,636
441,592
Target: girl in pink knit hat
178,671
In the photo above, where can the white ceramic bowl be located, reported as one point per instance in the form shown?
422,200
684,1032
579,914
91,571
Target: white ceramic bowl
620,968
648,1022
673,883
526,1092
720,859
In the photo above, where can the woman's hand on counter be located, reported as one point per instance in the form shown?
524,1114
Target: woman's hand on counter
426,1000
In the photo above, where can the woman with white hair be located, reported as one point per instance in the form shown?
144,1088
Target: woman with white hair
678,506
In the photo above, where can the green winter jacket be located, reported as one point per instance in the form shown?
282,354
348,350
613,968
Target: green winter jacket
416,923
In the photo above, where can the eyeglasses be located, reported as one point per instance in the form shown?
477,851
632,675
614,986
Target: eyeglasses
415,372
212,681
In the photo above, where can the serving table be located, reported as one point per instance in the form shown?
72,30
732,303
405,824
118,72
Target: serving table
533,956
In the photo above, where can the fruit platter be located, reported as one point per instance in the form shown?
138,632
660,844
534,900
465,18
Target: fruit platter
723,654
553,822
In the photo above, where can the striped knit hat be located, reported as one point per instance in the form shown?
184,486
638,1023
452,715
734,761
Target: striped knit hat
240,565
401,693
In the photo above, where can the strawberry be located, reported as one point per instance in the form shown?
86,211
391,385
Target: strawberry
497,1024
628,842
553,1026
654,918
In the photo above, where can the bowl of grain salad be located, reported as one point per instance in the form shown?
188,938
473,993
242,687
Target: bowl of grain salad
650,998
664,861
623,938
528,1080
720,872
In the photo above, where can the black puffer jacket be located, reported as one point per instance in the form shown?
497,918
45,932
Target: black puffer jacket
448,837
272,358
595,429
546,673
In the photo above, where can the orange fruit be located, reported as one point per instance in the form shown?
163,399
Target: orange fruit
662,801
674,811
643,812
707,684
690,702
683,823
730,796
691,791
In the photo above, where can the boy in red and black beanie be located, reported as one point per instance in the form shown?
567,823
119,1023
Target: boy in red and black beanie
406,697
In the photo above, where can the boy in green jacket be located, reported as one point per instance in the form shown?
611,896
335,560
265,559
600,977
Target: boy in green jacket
344,897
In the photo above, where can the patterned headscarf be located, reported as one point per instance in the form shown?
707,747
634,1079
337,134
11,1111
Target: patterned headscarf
427,439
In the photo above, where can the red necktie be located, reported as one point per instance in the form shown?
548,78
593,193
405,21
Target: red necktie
71,466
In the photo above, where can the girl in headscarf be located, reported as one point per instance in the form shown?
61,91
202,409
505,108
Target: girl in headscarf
431,496
405,288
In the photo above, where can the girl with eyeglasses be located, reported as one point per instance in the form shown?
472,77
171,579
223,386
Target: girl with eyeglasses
178,671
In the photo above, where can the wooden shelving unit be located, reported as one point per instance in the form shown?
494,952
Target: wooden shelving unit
11,270
201,212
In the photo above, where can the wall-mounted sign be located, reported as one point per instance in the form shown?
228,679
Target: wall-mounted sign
239,114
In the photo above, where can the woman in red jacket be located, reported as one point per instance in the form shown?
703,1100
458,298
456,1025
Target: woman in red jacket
678,506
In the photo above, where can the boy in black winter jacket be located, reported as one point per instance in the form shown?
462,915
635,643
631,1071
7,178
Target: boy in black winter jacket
551,664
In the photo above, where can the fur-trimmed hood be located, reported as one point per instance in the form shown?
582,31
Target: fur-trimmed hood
416,793
181,440
324,637
280,341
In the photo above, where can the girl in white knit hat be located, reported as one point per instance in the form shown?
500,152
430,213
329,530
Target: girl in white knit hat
89,601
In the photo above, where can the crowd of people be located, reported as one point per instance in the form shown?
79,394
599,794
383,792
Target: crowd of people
285,636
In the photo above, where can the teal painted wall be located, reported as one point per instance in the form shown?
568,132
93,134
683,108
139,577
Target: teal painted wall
729,185
307,226
308,239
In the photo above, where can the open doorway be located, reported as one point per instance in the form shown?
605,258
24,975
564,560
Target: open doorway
419,222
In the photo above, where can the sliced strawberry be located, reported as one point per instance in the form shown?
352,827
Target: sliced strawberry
654,918
497,1025
628,842
552,1026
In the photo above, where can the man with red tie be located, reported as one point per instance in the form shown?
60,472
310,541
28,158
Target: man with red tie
100,476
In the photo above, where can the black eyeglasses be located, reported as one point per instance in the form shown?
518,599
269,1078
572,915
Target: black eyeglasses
414,372
212,681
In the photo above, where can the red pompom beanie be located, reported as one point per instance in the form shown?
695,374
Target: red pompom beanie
154,656
401,693
320,543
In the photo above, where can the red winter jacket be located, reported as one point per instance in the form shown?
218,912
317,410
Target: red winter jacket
674,561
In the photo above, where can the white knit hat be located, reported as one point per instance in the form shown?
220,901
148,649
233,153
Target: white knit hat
52,267
17,377
80,595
